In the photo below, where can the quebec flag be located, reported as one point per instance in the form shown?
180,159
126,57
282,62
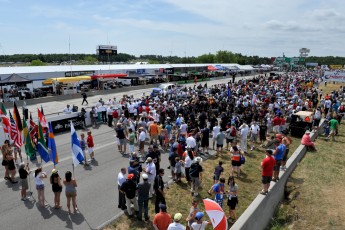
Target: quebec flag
77,152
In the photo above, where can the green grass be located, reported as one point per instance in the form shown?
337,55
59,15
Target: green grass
316,187
179,199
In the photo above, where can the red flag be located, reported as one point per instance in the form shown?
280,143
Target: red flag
42,119
5,121
16,117
15,134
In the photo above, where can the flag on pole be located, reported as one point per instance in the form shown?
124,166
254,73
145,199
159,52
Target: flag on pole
41,146
42,110
77,152
42,119
5,121
33,128
15,135
29,147
16,117
52,146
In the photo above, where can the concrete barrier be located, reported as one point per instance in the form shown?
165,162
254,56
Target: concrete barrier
260,212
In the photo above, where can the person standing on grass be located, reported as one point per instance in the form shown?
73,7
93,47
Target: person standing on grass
200,224
216,130
192,212
267,166
121,177
333,125
159,190
162,219
129,188
278,156
218,190
254,131
232,198
70,191
244,129
90,146
235,160
55,181
205,139
143,197
220,141
287,140
24,171
195,173
176,224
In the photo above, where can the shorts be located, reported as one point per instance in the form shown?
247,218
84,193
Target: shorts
4,163
333,131
205,143
254,137
263,137
229,140
216,177
277,166
57,188
123,141
131,148
71,194
219,146
232,202
236,163
24,183
286,154
90,150
266,179
276,128
141,145
195,181
117,141
40,187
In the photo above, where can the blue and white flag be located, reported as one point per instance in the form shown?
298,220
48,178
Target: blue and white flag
77,152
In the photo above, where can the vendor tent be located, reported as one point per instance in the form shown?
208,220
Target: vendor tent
15,79
211,68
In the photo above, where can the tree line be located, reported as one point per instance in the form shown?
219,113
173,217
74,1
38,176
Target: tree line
221,56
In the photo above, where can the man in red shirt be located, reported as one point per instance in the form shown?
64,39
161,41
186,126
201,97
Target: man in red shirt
267,165
90,145
162,219
276,124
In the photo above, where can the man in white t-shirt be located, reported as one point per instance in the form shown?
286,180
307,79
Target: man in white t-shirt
120,179
176,224
142,138
151,173
216,130
200,224
244,129
254,131
191,142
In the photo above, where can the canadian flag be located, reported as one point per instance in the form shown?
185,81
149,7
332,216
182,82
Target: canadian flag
42,118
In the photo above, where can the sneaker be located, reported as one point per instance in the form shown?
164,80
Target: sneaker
23,199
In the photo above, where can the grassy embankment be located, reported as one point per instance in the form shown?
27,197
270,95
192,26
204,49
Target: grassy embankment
316,190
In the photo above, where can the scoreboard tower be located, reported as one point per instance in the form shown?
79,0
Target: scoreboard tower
105,52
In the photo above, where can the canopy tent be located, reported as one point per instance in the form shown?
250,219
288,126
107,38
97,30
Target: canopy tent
15,79
220,67
211,68
66,80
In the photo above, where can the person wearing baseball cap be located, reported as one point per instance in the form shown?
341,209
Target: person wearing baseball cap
267,165
143,197
176,224
129,189
200,224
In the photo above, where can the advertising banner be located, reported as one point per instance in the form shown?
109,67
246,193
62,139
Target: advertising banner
336,66
337,76
65,124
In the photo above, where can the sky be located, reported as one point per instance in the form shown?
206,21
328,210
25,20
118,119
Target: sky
265,28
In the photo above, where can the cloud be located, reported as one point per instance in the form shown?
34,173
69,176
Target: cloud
290,26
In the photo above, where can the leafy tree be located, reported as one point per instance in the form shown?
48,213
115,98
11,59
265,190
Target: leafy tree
37,62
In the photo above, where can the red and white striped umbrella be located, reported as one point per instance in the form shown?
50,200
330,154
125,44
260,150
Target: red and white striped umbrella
216,215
